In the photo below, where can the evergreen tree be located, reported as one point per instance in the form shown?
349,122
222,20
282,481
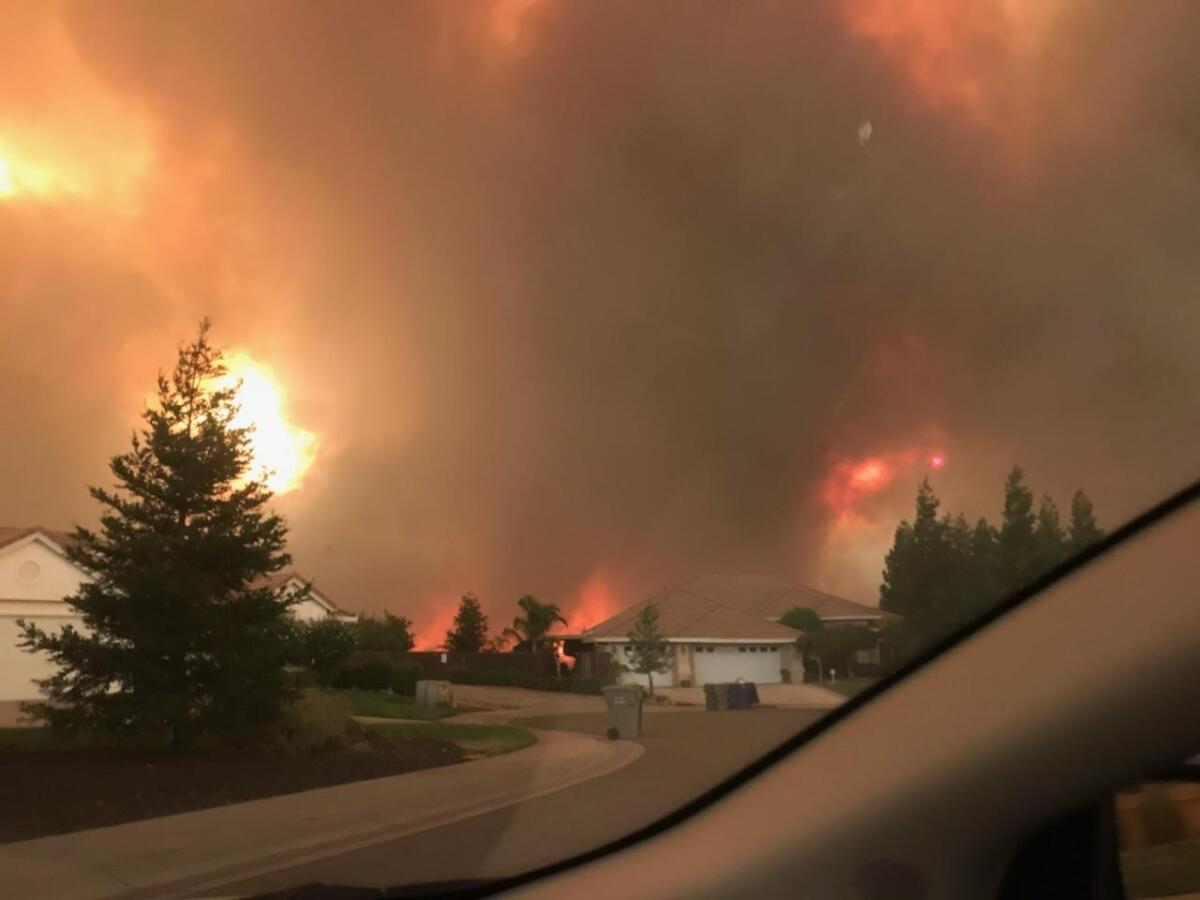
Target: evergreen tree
943,573
1083,530
1016,547
649,653
1049,537
181,638
470,631
984,577
914,569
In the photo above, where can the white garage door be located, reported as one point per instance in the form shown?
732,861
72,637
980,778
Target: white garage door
716,663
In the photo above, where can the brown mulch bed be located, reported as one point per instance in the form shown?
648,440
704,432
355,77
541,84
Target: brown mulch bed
52,793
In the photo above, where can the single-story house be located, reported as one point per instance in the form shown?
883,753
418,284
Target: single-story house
724,627
35,578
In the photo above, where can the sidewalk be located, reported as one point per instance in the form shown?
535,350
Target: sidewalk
185,853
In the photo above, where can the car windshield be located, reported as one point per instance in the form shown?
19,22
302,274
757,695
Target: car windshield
441,439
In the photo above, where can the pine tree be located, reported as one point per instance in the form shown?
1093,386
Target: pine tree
180,638
985,579
470,631
649,653
1083,530
1016,547
1049,536
915,582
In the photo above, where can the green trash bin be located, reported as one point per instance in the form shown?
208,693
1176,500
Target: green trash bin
624,709
722,692
710,697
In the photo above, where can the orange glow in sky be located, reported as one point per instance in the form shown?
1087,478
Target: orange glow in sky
506,19
282,452
958,55
597,602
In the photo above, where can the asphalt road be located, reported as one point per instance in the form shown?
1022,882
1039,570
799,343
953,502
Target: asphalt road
686,753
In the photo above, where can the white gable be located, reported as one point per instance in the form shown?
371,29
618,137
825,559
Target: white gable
35,579
35,569
314,606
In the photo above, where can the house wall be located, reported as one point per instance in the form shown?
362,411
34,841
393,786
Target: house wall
34,579
309,610
666,678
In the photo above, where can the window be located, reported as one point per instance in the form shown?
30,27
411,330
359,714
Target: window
741,649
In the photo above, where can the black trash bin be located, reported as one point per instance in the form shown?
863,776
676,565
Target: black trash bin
710,697
753,692
722,693
739,695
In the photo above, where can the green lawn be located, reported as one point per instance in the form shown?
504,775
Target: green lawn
850,687
1162,870
392,706
490,740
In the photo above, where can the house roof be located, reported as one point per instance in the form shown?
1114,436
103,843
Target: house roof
731,607
690,616
278,580
10,534
770,597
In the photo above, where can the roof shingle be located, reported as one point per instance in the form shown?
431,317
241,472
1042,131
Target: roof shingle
732,607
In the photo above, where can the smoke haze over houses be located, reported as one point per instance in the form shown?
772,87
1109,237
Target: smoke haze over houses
581,299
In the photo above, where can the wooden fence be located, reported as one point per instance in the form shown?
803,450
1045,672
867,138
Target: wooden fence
438,665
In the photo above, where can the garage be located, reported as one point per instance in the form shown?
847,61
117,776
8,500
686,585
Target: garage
715,663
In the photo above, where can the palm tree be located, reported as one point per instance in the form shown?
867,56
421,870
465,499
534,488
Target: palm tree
537,620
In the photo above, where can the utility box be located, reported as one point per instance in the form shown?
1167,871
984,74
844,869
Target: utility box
435,693
624,709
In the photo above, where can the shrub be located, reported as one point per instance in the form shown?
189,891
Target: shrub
389,633
506,678
685,682
404,678
612,734
299,677
315,720
326,643
370,675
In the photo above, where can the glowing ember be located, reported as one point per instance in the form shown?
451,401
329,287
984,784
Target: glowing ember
937,461
282,452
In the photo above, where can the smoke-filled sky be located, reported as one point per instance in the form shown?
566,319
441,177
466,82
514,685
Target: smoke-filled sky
581,299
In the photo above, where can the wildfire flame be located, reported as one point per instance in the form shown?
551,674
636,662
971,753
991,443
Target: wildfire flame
850,481
597,602
282,452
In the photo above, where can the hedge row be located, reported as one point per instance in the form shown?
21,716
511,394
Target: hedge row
402,678
379,675
500,678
